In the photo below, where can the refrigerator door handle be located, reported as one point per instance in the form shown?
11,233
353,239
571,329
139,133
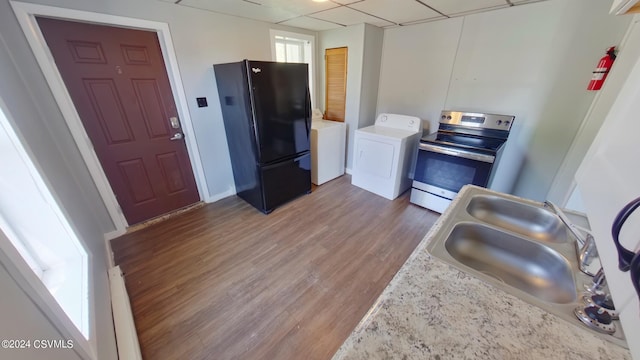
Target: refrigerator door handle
281,162
308,111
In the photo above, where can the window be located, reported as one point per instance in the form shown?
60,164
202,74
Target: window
290,49
294,48
36,227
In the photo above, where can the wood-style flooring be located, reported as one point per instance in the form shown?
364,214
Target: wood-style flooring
225,281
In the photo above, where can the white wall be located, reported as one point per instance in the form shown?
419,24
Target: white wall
364,43
21,319
30,107
353,38
607,180
417,62
200,38
530,61
628,53
371,61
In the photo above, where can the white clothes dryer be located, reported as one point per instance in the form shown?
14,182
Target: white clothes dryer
384,154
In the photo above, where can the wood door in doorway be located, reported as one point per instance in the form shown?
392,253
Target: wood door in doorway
336,83
119,85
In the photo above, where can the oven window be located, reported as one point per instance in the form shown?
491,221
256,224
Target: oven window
450,172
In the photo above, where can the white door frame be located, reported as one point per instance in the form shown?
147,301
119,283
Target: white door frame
26,13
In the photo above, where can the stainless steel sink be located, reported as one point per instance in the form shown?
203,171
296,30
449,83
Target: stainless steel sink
529,266
525,219
518,246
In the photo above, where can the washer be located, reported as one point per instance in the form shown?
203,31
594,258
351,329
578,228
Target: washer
384,154
327,150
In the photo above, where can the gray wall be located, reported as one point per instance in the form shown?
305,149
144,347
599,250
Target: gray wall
200,38
530,61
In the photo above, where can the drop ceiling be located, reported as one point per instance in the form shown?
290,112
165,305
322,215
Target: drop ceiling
331,14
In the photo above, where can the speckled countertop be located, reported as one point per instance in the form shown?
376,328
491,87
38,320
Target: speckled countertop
431,310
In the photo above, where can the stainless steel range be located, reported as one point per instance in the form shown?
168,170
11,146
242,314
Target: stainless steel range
465,150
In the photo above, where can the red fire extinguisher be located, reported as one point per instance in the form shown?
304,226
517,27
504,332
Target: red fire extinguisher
601,71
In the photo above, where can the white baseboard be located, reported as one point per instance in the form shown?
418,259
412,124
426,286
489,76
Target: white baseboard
107,244
126,336
348,171
110,259
220,196
114,234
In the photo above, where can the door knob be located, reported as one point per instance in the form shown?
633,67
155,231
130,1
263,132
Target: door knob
176,136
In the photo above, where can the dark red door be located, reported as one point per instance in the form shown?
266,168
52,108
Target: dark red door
119,86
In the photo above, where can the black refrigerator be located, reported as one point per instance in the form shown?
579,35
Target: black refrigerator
267,118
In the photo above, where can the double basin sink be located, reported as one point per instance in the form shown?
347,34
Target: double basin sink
520,247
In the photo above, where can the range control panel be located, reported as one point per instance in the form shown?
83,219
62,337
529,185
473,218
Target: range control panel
477,120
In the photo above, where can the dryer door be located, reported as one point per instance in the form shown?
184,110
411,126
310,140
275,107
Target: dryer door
374,157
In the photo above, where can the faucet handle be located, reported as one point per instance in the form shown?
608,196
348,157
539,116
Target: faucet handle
625,256
598,282
635,272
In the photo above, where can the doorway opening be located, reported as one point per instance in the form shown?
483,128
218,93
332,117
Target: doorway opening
27,14
120,88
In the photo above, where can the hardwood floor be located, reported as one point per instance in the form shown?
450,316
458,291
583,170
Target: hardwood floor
225,281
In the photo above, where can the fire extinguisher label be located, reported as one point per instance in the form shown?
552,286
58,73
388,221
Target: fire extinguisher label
597,76
601,70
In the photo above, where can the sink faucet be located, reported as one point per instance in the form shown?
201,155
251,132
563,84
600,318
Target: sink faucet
585,244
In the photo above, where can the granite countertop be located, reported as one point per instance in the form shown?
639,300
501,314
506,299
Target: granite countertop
431,310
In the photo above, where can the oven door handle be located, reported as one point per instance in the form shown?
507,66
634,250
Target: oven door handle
457,152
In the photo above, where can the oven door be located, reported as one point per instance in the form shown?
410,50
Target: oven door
444,170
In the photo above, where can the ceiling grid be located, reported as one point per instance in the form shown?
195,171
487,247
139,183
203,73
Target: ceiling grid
331,14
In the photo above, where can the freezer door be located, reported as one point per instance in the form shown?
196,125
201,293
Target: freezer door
281,109
286,180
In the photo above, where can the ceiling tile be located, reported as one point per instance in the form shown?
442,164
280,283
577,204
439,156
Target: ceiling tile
310,23
450,7
300,7
242,8
399,11
346,16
